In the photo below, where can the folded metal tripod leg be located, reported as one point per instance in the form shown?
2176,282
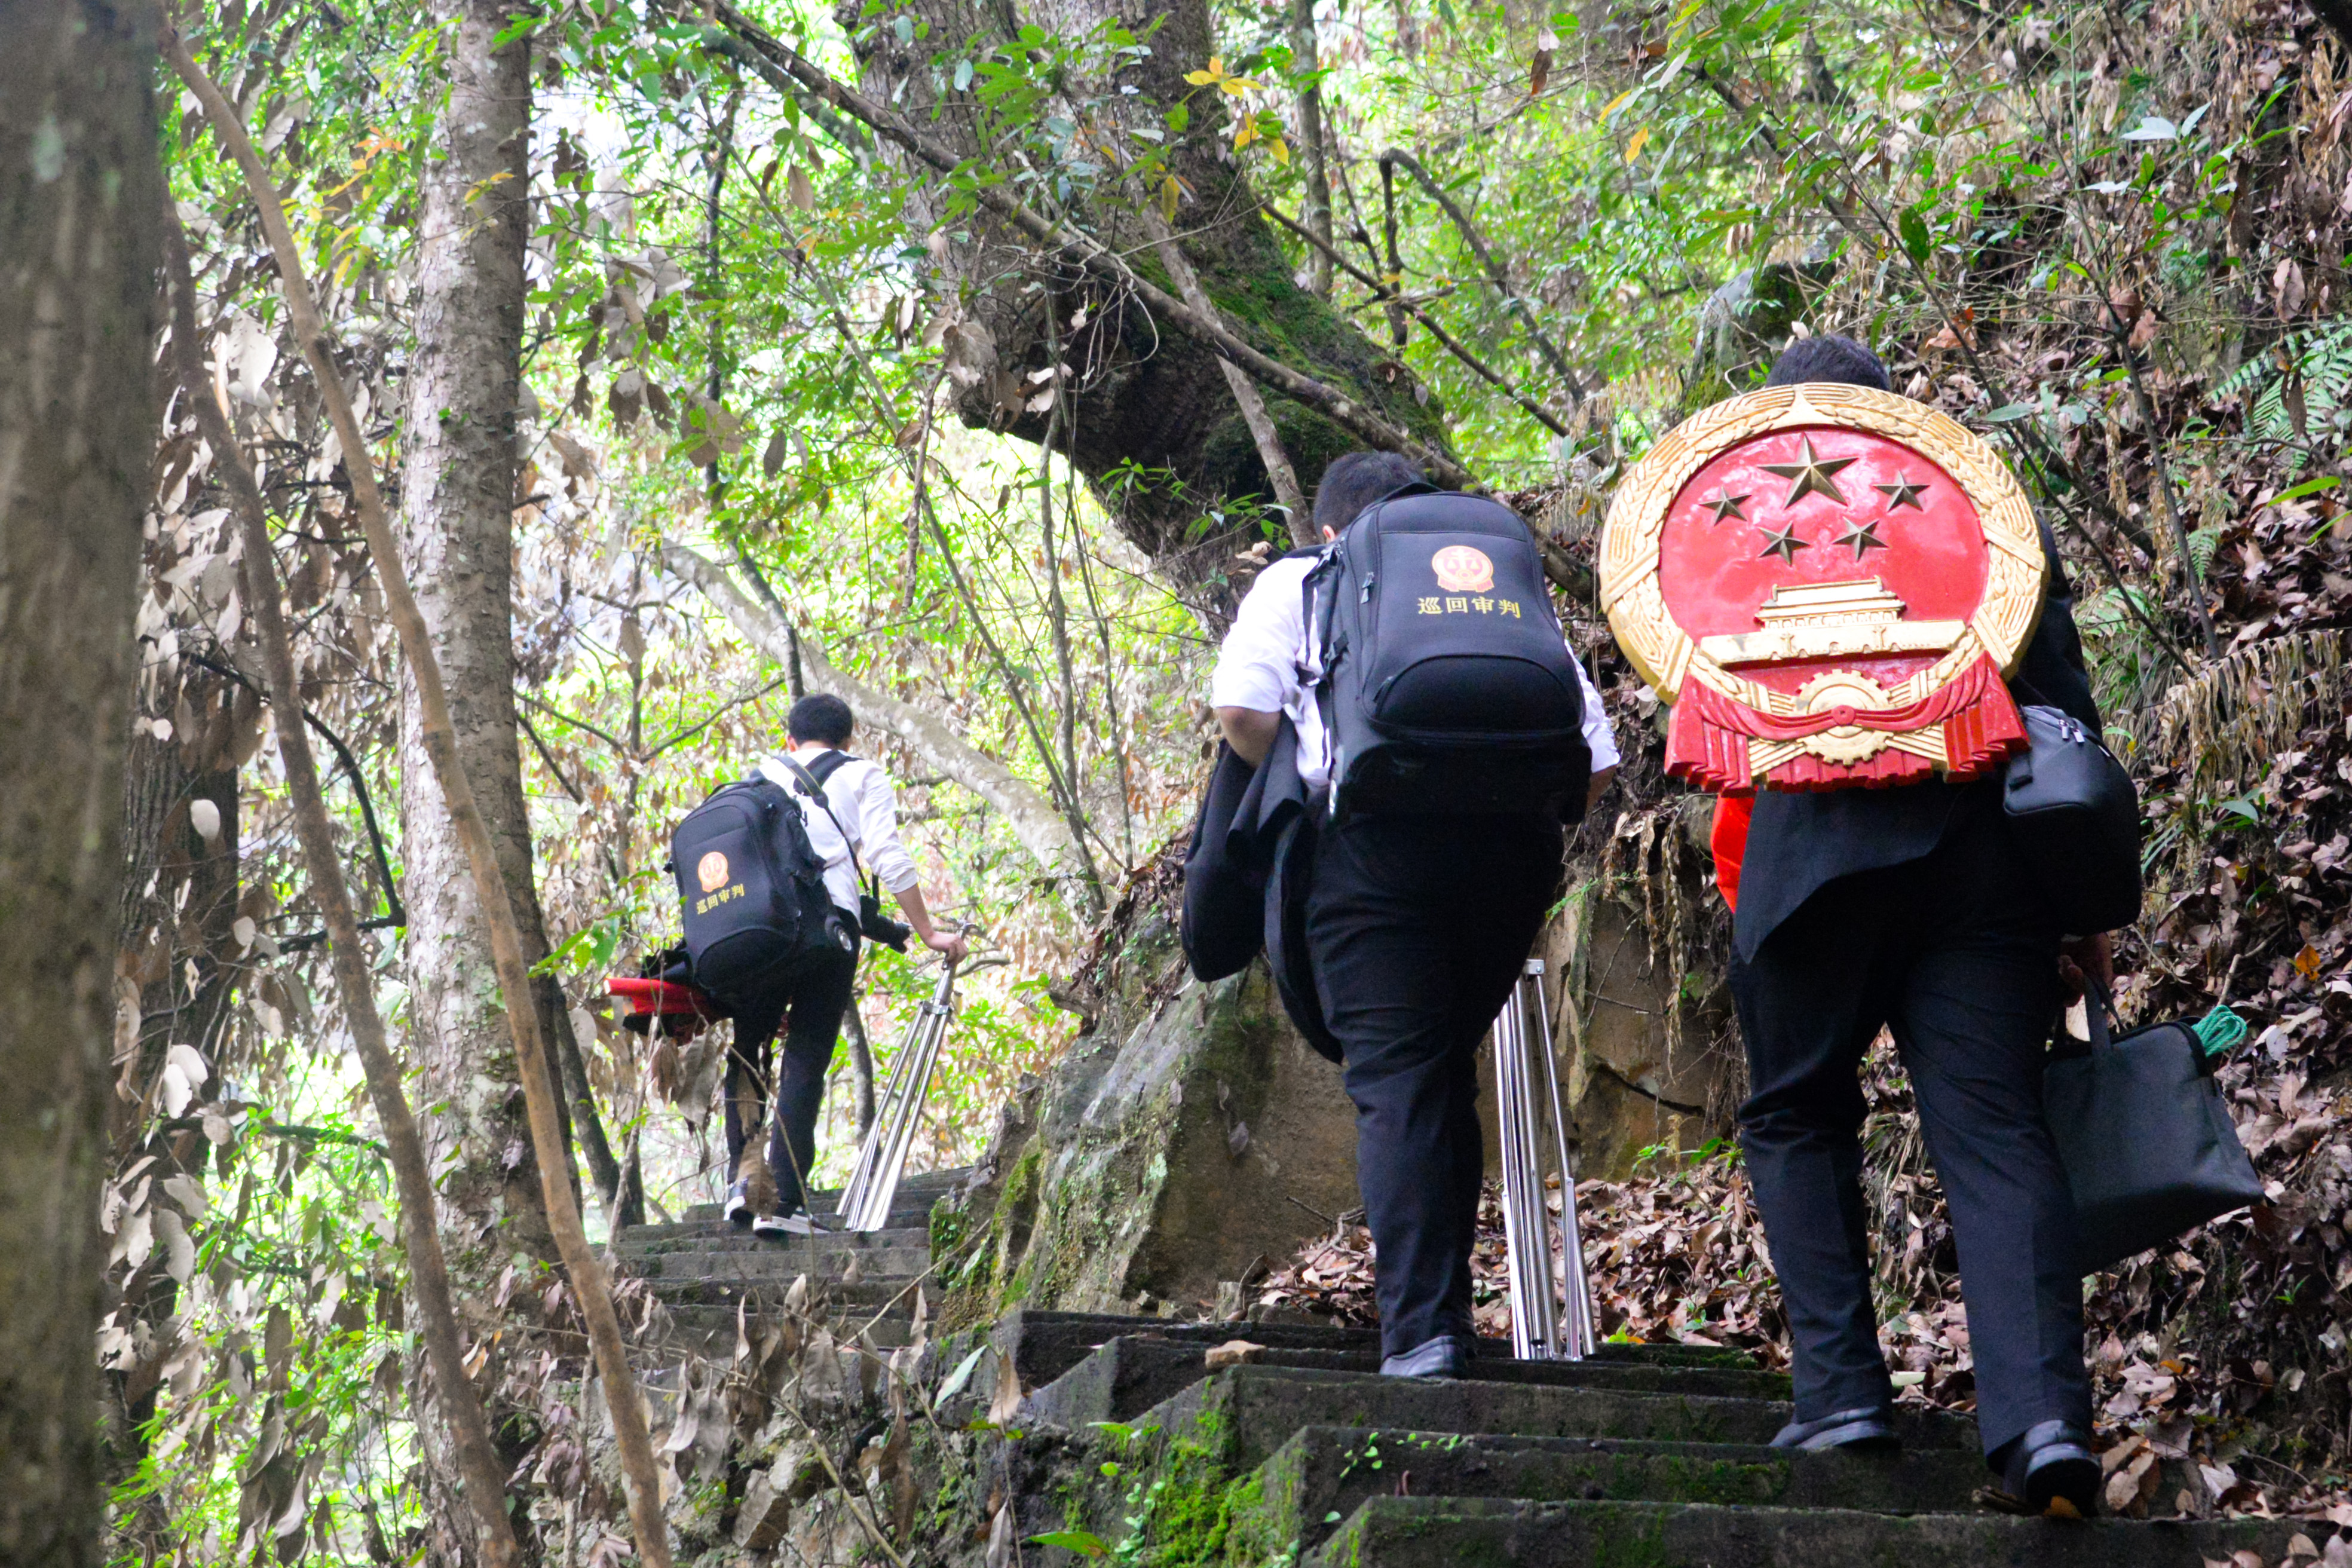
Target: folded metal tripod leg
1526,1090
882,1157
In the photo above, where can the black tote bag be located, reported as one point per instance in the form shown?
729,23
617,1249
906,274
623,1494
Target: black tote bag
2148,1142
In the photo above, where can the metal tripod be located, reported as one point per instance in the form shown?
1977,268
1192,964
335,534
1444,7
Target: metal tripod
1527,1093
882,1157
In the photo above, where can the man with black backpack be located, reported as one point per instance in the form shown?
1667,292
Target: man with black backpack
1410,685
768,870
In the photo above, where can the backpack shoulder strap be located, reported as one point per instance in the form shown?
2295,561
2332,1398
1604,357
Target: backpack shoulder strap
1319,586
813,785
832,763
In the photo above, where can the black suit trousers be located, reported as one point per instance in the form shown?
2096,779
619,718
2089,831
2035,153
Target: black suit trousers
1418,927
1951,954
809,1010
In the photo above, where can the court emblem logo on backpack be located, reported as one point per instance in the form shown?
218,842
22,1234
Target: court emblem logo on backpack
1463,569
1829,583
711,870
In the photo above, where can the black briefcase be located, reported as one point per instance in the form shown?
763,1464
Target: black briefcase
2148,1142
2075,817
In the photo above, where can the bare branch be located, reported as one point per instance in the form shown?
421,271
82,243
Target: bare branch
1091,253
590,1287
477,1461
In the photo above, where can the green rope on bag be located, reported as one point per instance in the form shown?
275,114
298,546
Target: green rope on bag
2220,1031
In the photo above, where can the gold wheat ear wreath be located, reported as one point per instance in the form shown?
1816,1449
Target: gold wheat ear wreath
1842,727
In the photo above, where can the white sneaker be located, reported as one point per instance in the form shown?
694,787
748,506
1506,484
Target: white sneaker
738,1210
796,1223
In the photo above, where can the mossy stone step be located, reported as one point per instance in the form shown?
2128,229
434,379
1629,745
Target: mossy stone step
783,1259
1323,1473
895,1295
1453,1532
1046,1344
718,1235
916,1193
1133,1372
710,1330
1262,1406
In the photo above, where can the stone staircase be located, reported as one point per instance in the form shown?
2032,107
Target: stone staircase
1117,1435
703,1268
1641,1457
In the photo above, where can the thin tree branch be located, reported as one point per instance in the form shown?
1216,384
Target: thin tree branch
1495,273
1314,144
2043,460
394,914
589,1287
2121,335
547,758
1477,366
1096,256
1063,787
1058,610
1278,471
1035,820
483,1478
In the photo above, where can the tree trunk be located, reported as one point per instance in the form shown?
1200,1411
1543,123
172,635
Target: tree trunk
457,506
1314,149
76,429
1148,397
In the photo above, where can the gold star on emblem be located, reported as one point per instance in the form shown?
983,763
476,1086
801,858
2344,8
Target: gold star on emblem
1810,476
1863,536
1784,544
1724,504
1904,491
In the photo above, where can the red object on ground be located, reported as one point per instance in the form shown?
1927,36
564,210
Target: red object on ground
682,1011
1728,842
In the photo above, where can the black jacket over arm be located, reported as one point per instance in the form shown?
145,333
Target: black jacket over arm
1799,843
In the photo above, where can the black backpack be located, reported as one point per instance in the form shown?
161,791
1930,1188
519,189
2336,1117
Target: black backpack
1446,685
752,893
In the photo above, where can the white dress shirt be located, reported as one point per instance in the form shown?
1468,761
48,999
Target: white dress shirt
861,796
1258,669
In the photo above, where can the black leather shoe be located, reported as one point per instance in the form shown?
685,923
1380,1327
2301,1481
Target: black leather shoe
738,1203
1870,1429
2049,1466
1443,1356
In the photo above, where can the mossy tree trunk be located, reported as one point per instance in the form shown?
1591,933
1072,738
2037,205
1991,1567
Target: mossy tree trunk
1155,426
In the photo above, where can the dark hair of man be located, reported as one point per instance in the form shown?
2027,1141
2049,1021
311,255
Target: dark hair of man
820,718
1830,359
1355,480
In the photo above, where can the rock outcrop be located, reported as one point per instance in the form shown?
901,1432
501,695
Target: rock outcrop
1188,1138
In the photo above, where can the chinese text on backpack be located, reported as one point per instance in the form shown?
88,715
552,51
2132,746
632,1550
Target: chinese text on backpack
1446,685
752,891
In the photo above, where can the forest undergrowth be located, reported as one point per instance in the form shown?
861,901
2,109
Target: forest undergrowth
793,414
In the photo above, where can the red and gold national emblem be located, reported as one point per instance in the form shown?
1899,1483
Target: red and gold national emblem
711,871
1829,583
